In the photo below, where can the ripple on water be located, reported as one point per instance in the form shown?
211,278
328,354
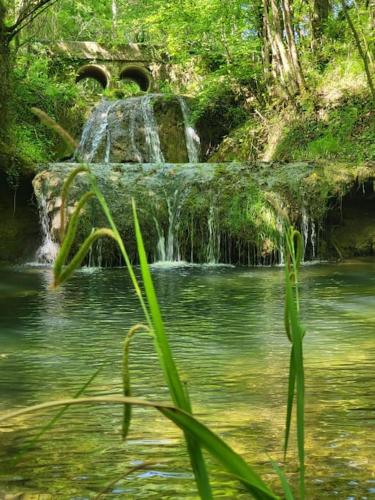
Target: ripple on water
226,330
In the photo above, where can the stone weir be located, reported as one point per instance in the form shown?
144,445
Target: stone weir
214,213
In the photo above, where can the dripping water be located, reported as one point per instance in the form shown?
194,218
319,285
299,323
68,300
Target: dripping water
95,132
308,230
168,248
151,130
47,252
305,230
213,246
191,136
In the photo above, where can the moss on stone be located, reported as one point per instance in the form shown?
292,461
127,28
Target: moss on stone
235,210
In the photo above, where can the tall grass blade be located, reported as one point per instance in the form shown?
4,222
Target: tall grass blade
295,332
170,370
64,195
284,482
289,408
53,421
126,376
223,453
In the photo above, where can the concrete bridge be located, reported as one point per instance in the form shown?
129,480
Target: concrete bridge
135,62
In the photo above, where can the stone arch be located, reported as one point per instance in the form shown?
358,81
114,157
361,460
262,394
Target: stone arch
138,74
98,73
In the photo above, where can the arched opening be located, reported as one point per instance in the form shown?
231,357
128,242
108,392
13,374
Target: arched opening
95,72
138,74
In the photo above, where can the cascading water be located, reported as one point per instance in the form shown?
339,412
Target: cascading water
193,142
168,249
151,130
95,132
305,229
127,131
47,252
213,246
279,227
308,230
129,147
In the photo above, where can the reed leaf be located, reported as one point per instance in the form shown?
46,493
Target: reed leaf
68,240
81,254
223,453
54,420
295,333
64,195
53,125
284,482
175,385
126,376
291,389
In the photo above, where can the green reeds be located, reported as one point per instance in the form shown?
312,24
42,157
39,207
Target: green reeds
295,333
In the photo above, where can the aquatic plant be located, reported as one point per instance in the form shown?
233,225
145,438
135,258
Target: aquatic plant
197,435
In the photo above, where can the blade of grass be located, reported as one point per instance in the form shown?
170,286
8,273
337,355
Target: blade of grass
284,482
289,409
126,376
223,453
53,421
295,331
170,370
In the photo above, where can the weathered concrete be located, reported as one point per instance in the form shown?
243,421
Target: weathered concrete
137,62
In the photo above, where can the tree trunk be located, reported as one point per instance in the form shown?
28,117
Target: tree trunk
4,79
319,17
288,27
284,64
371,8
361,51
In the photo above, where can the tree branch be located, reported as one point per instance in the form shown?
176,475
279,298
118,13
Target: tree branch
28,15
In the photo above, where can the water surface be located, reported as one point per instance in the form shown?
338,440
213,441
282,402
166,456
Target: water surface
226,330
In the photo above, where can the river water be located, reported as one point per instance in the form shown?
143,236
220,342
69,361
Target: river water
226,329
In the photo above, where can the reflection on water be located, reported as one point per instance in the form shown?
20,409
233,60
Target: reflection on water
225,327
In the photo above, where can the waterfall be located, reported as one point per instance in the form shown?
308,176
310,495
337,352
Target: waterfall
280,230
125,128
47,252
308,230
305,226
168,249
151,130
95,132
213,246
193,142
127,131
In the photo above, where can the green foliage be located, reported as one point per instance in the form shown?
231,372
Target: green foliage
343,131
34,86
220,57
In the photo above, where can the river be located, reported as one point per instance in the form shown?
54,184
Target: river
225,326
